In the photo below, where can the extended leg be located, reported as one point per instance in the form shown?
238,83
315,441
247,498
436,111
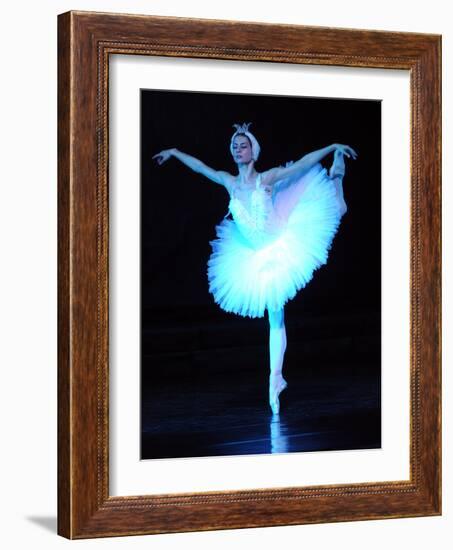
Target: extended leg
277,347
337,171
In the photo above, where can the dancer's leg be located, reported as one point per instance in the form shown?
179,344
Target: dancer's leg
337,171
277,347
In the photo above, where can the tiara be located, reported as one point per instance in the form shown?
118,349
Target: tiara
242,128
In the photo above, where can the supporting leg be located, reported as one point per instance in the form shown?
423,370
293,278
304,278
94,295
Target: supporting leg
277,347
337,171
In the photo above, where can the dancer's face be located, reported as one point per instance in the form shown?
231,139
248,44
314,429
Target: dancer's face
242,150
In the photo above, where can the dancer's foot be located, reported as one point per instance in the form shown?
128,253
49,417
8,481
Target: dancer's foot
276,385
337,170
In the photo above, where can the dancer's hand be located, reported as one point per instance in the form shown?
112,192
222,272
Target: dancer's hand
346,150
163,156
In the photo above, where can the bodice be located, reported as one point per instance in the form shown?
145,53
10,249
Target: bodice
259,223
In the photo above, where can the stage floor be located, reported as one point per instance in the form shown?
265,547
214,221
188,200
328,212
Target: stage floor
227,413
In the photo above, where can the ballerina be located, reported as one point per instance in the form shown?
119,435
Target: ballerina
281,228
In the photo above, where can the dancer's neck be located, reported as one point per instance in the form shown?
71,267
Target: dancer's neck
247,173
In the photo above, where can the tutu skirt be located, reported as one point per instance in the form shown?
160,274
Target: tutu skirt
247,279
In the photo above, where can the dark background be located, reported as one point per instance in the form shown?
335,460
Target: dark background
197,360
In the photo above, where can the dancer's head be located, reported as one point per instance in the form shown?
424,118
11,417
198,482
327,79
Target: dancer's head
244,146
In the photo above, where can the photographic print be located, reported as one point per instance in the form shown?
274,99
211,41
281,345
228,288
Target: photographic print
260,274
253,251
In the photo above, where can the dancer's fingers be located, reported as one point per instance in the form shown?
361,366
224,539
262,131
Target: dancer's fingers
350,153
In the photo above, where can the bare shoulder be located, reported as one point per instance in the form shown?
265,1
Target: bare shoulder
227,179
268,178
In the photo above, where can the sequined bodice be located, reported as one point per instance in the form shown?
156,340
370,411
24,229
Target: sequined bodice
259,223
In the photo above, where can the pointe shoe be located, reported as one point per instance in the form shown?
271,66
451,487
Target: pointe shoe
337,170
274,391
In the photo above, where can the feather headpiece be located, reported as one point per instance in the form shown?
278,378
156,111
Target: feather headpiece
244,129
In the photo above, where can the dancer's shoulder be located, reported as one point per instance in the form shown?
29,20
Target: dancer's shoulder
227,179
265,180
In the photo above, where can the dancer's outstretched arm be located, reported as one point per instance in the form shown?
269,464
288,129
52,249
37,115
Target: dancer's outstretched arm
217,176
305,163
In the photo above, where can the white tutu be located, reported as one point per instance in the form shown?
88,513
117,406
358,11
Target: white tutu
266,253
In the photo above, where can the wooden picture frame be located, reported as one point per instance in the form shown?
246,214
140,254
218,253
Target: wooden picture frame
85,42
